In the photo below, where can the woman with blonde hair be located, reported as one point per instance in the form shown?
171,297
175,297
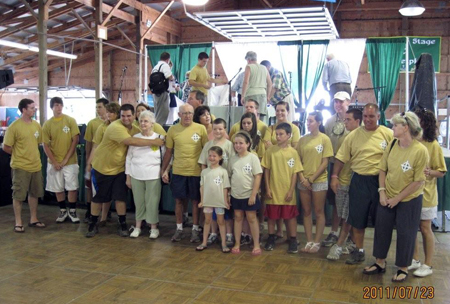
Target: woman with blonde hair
401,183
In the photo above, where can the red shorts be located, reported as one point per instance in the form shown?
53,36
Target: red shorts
285,212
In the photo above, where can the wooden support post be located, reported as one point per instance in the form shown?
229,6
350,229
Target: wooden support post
110,76
43,60
140,49
98,52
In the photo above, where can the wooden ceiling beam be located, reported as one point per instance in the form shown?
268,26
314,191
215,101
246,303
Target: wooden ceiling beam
111,13
107,8
16,12
167,23
28,23
30,9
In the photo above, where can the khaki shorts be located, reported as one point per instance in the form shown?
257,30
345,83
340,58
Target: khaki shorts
25,182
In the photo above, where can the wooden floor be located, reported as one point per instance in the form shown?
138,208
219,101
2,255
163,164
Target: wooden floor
59,265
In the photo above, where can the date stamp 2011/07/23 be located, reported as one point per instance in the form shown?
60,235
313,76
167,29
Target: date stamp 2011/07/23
398,292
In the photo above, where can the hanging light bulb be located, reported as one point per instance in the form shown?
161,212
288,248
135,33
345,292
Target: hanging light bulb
195,2
411,8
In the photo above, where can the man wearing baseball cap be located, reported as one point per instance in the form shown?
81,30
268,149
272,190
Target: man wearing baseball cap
335,129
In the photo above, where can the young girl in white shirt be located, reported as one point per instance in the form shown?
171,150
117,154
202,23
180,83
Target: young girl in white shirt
214,185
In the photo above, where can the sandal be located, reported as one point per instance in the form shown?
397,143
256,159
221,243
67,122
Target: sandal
307,247
226,249
236,250
201,247
399,272
19,229
314,248
256,252
378,269
36,225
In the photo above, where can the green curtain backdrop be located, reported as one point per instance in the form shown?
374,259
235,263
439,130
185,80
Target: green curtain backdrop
183,56
385,58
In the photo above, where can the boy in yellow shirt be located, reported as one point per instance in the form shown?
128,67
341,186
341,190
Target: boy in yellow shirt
60,137
281,163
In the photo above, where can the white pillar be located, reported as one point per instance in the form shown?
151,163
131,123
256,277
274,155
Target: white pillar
407,75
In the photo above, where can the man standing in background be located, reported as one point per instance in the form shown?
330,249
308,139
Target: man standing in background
336,76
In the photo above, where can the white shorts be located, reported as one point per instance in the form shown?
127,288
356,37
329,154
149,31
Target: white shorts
64,179
428,213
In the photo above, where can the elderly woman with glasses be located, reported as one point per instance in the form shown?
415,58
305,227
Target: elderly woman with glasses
401,183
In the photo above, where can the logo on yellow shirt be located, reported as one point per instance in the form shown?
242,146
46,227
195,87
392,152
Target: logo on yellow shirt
66,129
383,145
406,166
319,148
36,134
218,180
258,133
225,157
195,137
291,163
247,169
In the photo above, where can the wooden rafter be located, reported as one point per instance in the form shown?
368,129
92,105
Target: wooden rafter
107,8
74,13
111,13
30,9
126,37
154,23
26,24
17,12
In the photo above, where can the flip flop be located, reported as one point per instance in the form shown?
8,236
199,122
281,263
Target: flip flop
201,247
256,252
378,269
19,229
226,249
37,225
236,250
399,272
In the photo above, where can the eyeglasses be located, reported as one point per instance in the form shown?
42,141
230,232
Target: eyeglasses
187,113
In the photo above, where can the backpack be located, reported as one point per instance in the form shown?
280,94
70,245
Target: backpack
158,82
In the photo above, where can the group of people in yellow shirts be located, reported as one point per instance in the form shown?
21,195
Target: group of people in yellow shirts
373,172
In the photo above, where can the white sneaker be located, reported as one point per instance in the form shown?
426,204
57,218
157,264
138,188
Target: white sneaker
335,253
423,271
415,264
73,216
63,214
136,232
154,233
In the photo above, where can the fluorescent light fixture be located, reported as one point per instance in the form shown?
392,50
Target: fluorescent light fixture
35,49
411,8
195,2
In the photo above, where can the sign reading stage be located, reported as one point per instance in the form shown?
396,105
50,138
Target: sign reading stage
420,45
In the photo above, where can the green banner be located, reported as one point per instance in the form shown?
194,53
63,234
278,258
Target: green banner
418,46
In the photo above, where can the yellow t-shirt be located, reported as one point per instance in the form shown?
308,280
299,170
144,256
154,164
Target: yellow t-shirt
110,155
187,143
214,181
437,162
404,166
92,128
262,128
98,137
24,138
345,175
364,149
57,133
157,128
282,163
227,148
312,149
271,136
200,75
242,171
